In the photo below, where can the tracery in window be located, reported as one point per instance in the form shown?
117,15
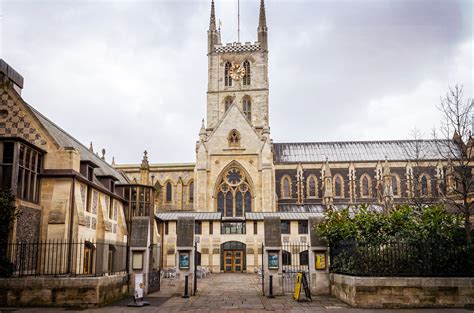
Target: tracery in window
234,139
227,102
234,194
338,186
365,186
227,77
396,185
285,187
246,78
247,107
312,186
169,192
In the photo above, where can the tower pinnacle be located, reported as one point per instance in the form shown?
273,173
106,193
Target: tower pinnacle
212,21
212,33
262,27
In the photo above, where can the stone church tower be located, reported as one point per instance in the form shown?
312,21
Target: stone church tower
236,142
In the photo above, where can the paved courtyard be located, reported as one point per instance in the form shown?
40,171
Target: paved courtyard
228,293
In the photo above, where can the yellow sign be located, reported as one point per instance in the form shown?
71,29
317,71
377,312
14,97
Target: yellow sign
299,278
321,261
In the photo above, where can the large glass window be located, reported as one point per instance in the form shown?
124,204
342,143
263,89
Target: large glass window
232,228
6,165
338,187
285,227
198,227
302,227
29,168
169,192
234,196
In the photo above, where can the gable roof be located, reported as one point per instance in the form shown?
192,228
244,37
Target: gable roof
346,151
66,140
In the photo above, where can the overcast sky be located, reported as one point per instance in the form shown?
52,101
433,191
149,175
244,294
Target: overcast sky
131,75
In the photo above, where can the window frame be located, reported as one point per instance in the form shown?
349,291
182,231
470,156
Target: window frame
283,229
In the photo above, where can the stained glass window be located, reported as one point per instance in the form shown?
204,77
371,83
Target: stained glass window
286,187
191,192
239,204
234,196
169,192
396,191
424,186
312,191
338,187
229,204
365,187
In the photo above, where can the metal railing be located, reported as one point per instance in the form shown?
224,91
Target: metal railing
429,258
62,258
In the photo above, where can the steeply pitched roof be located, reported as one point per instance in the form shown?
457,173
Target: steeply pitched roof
66,140
393,150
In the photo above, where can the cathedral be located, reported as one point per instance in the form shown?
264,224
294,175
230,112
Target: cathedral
243,194
242,176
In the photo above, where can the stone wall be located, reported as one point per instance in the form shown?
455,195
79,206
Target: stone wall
403,292
55,291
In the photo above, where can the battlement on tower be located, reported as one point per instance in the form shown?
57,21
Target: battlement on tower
237,47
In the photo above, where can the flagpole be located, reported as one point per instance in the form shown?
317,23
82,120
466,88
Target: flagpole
238,20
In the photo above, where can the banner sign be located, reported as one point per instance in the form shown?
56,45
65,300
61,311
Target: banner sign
301,281
138,294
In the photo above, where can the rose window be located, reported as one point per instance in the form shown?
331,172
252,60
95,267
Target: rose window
234,195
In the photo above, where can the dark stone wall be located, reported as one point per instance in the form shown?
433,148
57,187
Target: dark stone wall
28,224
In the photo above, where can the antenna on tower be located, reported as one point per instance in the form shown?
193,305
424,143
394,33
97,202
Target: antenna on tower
238,20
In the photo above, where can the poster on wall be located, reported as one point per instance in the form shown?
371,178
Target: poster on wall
137,260
273,260
138,294
320,261
183,260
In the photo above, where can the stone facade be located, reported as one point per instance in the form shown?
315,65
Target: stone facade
403,292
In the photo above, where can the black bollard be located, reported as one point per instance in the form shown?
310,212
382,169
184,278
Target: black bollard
270,295
186,294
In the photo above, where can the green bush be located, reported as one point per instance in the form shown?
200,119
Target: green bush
404,223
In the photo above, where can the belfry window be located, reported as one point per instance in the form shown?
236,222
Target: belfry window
247,107
227,77
246,78
234,195
234,139
227,102
169,192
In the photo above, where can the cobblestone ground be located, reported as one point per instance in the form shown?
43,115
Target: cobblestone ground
230,293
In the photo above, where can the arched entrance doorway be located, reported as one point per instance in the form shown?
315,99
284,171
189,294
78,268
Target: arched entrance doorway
233,257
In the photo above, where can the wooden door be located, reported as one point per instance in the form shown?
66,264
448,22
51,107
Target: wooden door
233,261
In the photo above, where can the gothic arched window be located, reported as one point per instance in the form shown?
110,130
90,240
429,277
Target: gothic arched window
365,186
247,107
234,139
286,187
169,192
227,77
424,186
234,195
227,102
396,185
312,187
338,186
246,78
191,192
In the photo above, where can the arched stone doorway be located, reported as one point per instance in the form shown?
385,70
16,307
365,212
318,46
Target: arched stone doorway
233,258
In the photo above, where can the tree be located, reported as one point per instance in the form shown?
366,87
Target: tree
8,214
458,148
418,152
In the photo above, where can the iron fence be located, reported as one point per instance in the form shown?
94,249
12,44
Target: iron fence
62,258
295,259
428,258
